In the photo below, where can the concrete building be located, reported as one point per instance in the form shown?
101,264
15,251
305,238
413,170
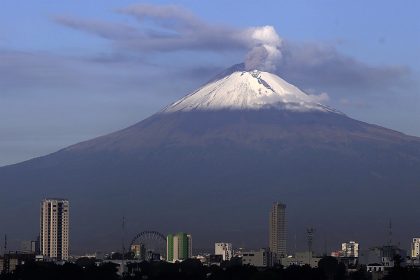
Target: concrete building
190,252
139,251
223,249
261,258
26,246
277,229
54,229
214,260
350,249
375,267
178,247
384,255
30,246
370,256
11,260
348,255
415,248
300,259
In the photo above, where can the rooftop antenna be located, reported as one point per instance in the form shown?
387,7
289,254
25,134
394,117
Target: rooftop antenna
123,235
325,246
390,232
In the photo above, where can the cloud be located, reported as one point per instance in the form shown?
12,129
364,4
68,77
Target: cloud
321,66
118,74
172,29
107,30
176,29
323,97
167,16
169,28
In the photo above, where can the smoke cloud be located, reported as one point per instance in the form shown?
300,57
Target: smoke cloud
265,51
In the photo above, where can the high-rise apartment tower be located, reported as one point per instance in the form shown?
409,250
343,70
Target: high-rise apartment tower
277,230
54,229
178,247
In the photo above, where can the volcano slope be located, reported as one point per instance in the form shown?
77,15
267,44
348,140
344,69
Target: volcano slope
213,162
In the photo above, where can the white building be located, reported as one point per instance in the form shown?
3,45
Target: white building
375,267
54,229
350,249
224,249
277,230
415,248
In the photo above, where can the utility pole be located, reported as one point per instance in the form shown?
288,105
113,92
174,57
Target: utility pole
5,244
123,246
325,247
390,232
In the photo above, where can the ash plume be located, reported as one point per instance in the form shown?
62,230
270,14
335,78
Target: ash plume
265,50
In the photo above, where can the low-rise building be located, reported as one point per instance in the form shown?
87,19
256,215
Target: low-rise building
11,260
139,251
300,259
375,267
261,258
348,255
224,249
385,254
214,260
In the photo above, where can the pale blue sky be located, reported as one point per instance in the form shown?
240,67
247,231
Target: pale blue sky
67,73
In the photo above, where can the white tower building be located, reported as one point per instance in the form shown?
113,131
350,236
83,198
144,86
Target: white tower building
415,248
350,249
224,249
54,229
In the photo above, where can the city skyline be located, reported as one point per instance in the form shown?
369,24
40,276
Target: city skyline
274,134
54,249
179,245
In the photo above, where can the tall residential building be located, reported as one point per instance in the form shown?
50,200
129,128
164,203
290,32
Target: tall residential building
350,249
224,249
54,229
277,231
415,248
178,247
189,237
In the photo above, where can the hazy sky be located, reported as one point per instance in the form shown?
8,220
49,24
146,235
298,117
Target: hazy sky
72,70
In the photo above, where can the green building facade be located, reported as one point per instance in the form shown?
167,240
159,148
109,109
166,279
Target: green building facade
170,248
178,247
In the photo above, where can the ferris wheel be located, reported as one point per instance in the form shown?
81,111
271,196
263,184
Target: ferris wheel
149,245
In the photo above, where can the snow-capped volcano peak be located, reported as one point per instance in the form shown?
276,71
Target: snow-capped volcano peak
248,90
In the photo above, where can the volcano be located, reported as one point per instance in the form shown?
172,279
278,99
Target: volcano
213,162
